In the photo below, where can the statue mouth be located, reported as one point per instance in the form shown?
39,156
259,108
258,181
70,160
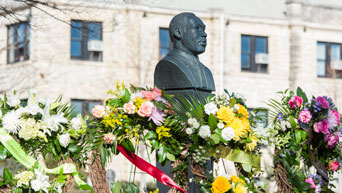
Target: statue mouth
203,43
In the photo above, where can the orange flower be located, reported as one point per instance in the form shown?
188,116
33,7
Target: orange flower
243,111
220,185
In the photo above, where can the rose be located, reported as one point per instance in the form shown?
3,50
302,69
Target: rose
64,140
228,133
157,90
76,123
322,102
331,140
188,131
298,100
204,131
332,166
321,126
98,111
311,181
305,116
295,101
210,108
225,114
109,138
220,185
150,95
129,108
145,109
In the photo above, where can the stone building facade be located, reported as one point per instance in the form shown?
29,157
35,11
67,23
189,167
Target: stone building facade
297,41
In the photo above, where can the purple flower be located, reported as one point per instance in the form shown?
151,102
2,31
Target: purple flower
280,117
322,102
331,140
157,116
333,119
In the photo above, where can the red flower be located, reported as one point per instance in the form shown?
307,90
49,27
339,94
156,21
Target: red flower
332,166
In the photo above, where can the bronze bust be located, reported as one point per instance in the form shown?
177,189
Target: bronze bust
181,68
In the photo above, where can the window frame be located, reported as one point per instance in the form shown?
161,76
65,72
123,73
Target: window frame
253,67
12,47
85,54
329,72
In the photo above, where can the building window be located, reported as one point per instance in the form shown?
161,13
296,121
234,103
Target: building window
329,58
86,40
84,107
254,53
18,42
165,43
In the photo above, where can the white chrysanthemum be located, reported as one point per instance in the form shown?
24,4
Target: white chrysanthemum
210,108
64,140
76,123
228,133
41,182
220,125
24,178
189,130
54,122
13,100
11,122
204,131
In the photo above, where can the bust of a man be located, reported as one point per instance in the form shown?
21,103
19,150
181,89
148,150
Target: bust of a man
181,68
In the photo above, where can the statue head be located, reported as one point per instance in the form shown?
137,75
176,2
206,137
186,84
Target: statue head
187,33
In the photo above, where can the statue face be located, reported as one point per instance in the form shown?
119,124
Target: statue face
194,37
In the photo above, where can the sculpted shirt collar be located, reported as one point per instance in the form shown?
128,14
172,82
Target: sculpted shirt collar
187,55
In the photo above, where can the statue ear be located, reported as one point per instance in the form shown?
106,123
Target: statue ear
178,33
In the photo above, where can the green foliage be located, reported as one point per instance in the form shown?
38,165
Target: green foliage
116,187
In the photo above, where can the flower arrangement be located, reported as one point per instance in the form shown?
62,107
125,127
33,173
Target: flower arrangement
307,134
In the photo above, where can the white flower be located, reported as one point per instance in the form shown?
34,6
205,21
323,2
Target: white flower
13,100
11,122
236,107
284,125
189,131
220,125
195,125
54,121
76,123
33,109
136,94
64,140
210,108
41,182
204,131
228,133
191,121
129,107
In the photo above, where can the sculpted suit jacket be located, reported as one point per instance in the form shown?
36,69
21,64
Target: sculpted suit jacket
180,70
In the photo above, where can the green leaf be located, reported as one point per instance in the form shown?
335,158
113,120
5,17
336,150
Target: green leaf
298,136
56,142
150,135
161,155
3,152
205,190
127,144
103,155
216,138
114,102
126,97
247,167
155,144
74,148
212,121
302,94
7,175
292,122
131,188
171,157
116,187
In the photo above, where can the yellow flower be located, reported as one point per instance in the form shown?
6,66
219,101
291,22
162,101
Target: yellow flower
225,114
250,146
155,191
236,179
220,185
240,126
112,120
243,111
137,102
24,178
240,188
163,132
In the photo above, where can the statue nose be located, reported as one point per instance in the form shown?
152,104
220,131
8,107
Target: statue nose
204,34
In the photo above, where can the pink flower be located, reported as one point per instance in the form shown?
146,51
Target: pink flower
333,118
157,90
129,108
322,102
149,95
332,166
311,181
321,126
109,138
331,140
157,116
295,101
305,116
146,109
98,111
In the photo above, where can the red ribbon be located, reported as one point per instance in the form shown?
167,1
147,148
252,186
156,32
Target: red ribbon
150,169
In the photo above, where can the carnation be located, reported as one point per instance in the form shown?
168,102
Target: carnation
210,108
321,126
76,123
195,125
129,108
204,131
98,111
109,138
322,102
11,122
189,131
331,140
333,118
145,109
228,133
305,116
64,140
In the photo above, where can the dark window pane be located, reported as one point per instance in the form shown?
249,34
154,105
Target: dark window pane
75,48
11,35
245,44
94,31
76,27
335,51
260,45
245,62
